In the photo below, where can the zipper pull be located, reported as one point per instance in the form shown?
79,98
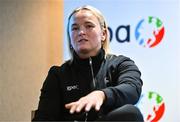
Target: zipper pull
86,116
90,61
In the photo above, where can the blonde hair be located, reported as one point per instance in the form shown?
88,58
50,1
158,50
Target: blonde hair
102,23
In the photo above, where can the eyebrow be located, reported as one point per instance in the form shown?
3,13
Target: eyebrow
88,22
74,24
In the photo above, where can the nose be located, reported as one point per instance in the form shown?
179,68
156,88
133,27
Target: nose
82,31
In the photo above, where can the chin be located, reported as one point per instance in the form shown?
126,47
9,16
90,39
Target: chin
83,50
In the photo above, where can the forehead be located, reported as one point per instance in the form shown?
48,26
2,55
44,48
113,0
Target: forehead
83,15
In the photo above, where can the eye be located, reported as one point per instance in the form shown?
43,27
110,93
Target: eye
89,26
74,28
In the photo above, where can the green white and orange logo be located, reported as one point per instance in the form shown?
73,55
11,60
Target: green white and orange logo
149,32
152,106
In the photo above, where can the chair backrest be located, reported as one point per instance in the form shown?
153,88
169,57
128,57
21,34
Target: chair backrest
32,114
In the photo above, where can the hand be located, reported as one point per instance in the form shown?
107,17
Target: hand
93,100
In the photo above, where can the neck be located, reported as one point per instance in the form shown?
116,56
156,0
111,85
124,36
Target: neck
87,55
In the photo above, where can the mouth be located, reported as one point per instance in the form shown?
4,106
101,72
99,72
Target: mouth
82,40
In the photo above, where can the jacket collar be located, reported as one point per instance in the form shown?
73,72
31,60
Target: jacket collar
84,63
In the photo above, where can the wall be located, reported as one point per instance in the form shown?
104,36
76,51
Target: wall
31,40
132,29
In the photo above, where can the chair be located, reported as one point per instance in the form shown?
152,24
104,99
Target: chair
32,114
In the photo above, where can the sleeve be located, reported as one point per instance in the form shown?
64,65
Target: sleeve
125,84
49,104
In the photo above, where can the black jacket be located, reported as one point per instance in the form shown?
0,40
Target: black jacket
117,76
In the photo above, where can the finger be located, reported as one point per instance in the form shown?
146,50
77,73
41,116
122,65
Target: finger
80,106
88,107
72,109
97,107
68,106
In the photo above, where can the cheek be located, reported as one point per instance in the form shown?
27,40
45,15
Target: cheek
96,37
72,36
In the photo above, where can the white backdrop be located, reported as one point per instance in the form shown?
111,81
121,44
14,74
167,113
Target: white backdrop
160,65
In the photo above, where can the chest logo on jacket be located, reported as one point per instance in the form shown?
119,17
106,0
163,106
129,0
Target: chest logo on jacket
72,87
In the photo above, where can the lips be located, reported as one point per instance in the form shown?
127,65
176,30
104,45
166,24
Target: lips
82,40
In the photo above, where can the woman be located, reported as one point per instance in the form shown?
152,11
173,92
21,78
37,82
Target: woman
92,85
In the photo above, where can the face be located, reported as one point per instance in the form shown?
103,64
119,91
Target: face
86,34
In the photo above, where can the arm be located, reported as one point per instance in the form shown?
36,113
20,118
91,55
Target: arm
125,84
49,104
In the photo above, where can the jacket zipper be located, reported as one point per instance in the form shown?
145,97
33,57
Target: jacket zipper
92,73
94,84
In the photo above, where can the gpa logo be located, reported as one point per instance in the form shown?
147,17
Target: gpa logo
149,32
73,87
152,106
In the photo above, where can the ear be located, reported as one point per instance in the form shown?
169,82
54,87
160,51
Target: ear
103,36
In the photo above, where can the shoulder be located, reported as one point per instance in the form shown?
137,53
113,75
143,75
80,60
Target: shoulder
117,58
61,68
121,63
